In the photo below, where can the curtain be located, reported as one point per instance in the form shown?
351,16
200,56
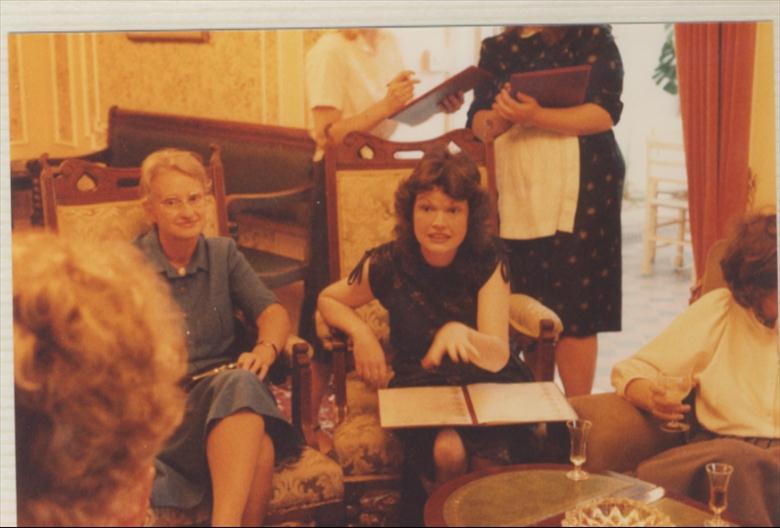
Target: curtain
715,75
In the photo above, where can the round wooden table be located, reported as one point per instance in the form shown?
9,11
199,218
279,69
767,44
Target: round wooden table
537,495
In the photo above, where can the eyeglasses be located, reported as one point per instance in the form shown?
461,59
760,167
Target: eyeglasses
177,204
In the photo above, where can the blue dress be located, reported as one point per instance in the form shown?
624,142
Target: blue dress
217,281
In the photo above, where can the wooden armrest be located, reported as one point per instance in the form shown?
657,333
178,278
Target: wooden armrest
258,199
526,315
302,390
338,344
532,319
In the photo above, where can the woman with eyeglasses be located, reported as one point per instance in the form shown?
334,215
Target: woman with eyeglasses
443,280
233,431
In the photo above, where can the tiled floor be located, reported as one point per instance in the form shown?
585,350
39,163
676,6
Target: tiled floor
649,302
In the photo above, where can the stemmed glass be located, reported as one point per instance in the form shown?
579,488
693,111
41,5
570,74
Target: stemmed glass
675,388
578,434
718,475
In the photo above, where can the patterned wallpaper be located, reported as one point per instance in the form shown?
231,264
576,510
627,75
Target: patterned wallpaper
62,80
232,76
17,124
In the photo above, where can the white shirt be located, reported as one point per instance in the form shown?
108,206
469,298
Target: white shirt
733,359
350,75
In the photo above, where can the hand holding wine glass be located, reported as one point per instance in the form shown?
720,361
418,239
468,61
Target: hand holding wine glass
718,475
668,394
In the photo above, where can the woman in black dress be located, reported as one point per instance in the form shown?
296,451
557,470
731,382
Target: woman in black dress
444,283
570,263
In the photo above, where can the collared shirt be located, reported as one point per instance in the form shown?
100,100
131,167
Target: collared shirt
217,280
733,359
350,75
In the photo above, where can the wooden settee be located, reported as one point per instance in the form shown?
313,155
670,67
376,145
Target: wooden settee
272,160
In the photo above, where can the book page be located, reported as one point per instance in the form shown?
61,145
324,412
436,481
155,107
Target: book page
519,403
423,406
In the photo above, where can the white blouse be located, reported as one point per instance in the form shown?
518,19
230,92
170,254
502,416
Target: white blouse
350,75
733,359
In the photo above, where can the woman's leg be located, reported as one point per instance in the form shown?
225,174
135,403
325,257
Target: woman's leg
234,452
262,490
576,360
449,455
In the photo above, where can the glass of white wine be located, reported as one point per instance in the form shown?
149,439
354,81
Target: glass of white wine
578,435
718,475
675,388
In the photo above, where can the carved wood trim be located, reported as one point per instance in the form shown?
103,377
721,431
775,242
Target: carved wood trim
350,155
233,130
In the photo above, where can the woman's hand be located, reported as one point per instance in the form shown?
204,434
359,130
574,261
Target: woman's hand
488,125
452,102
258,361
643,393
370,361
399,91
664,409
521,111
451,339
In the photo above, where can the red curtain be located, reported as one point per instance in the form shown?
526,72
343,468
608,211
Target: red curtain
715,75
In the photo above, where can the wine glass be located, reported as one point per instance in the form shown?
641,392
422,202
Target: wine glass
675,388
578,434
718,475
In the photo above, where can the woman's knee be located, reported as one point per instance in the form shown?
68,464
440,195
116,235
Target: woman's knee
448,449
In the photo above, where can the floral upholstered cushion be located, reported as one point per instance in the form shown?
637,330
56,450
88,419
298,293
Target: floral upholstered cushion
103,221
312,480
362,447
124,220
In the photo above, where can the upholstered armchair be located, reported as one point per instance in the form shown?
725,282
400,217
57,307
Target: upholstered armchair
87,200
362,175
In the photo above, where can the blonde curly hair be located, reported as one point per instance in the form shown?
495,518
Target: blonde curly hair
98,357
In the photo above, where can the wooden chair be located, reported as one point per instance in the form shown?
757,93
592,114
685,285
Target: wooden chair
666,193
362,175
271,225
89,200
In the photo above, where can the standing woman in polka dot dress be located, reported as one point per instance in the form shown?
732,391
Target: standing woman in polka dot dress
559,175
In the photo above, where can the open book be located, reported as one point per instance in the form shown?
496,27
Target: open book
475,404
554,88
423,107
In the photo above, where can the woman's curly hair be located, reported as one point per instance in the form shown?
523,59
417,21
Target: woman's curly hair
458,177
98,357
750,262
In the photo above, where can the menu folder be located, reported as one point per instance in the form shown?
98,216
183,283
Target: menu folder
554,88
477,404
423,107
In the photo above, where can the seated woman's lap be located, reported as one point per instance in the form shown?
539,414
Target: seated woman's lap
754,486
183,474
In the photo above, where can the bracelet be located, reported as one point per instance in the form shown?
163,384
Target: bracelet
273,347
